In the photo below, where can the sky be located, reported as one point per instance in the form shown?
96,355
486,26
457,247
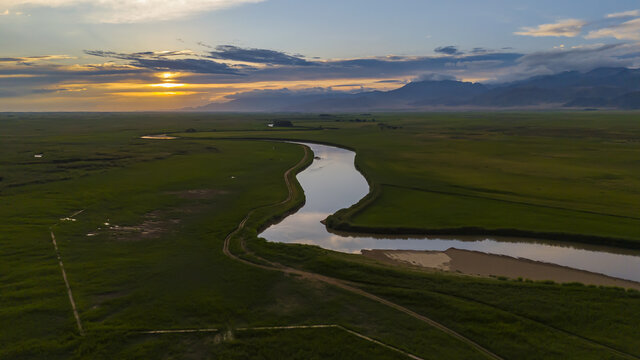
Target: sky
128,55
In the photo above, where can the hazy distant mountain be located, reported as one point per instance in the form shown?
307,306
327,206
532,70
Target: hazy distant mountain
627,101
436,92
602,87
596,88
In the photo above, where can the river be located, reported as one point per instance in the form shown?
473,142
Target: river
332,182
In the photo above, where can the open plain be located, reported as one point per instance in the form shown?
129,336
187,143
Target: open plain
141,224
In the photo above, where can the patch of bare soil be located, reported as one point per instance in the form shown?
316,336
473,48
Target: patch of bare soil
483,264
155,224
383,255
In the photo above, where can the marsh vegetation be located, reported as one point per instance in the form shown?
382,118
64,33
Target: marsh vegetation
554,174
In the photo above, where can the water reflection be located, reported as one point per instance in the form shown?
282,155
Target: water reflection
332,183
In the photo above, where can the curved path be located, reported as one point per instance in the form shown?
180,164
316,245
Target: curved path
332,281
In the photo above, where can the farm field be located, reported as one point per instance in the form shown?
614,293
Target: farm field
141,224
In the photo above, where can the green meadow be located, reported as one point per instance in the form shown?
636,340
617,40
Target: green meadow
555,175
145,250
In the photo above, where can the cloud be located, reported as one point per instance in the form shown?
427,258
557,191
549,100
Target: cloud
32,59
44,77
203,44
260,56
387,67
434,77
630,13
164,61
132,11
448,50
580,58
277,93
479,50
40,79
565,28
629,30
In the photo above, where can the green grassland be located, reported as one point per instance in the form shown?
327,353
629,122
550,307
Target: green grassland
563,176
175,201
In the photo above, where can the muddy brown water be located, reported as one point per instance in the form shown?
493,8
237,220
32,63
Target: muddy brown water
332,183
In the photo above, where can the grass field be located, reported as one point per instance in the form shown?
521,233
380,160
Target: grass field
174,202
568,173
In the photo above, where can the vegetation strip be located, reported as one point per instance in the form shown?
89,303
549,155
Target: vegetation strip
66,282
336,282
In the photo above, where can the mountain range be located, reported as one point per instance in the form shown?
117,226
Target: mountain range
610,88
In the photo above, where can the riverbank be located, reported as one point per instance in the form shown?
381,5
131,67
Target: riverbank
344,227
482,264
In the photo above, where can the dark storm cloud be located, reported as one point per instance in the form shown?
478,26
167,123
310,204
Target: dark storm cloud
448,50
258,56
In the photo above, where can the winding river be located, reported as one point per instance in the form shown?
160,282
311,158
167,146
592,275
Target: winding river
332,183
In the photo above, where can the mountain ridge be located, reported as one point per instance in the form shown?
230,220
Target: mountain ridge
605,87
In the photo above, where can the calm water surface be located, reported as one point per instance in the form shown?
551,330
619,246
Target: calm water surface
332,183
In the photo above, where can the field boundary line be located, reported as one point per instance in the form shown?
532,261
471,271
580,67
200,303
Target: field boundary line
66,282
291,327
179,331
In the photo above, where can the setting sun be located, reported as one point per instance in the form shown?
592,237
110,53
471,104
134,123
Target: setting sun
167,75
167,85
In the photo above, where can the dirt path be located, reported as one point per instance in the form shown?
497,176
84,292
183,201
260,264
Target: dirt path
345,286
66,282
335,282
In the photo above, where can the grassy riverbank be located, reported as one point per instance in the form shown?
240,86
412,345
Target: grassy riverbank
565,175
174,202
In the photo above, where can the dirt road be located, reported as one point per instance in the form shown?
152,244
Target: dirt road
336,282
